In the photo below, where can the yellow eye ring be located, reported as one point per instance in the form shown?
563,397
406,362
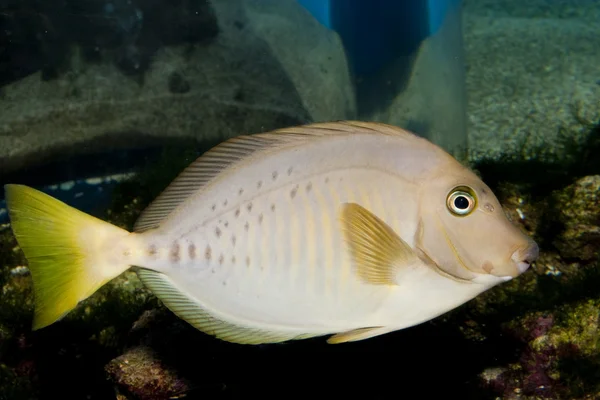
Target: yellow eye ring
461,201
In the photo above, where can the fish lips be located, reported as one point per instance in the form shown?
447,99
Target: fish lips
524,257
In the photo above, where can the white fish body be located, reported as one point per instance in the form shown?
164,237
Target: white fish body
257,250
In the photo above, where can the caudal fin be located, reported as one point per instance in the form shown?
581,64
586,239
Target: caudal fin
68,251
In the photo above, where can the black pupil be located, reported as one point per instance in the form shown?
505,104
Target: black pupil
461,202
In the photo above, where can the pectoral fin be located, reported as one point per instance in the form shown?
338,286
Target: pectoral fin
358,334
377,251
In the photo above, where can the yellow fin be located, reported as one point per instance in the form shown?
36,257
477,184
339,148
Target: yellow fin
233,151
63,248
358,334
193,313
376,249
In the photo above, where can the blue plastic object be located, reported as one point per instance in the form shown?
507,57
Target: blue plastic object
83,194
406,61
437,10
376,31
320,9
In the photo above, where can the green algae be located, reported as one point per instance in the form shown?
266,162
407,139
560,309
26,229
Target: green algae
578,208
577,325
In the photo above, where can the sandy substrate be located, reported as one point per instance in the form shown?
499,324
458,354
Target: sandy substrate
530,70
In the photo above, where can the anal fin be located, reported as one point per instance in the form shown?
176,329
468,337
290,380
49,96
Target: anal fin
359,334
192,312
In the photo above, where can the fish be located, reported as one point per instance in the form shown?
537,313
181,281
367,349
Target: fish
345,229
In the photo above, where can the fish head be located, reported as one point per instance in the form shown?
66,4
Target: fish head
465,233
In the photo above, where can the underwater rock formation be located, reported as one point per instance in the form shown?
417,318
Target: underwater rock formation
137,373
42,35
579,207
233,67
560,358
552,314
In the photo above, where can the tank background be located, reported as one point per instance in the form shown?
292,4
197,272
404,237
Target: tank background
535,338
530,76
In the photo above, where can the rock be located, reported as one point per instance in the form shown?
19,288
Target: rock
14,384
139,374
578,208
312,56
432,99
126,33
268,67
555,361
549,316
17,368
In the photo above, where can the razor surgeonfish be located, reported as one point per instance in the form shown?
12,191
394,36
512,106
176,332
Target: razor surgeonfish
349,229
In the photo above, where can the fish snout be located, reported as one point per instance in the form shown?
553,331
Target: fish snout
524,257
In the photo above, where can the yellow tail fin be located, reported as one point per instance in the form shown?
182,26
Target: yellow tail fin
68,252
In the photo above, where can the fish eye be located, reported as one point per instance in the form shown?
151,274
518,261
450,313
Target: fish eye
461,201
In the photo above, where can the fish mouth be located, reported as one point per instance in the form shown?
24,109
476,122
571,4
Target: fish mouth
524,257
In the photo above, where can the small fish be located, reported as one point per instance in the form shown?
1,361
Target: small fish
349,229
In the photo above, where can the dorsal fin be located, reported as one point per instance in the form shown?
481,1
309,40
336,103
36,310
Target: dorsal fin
230,152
